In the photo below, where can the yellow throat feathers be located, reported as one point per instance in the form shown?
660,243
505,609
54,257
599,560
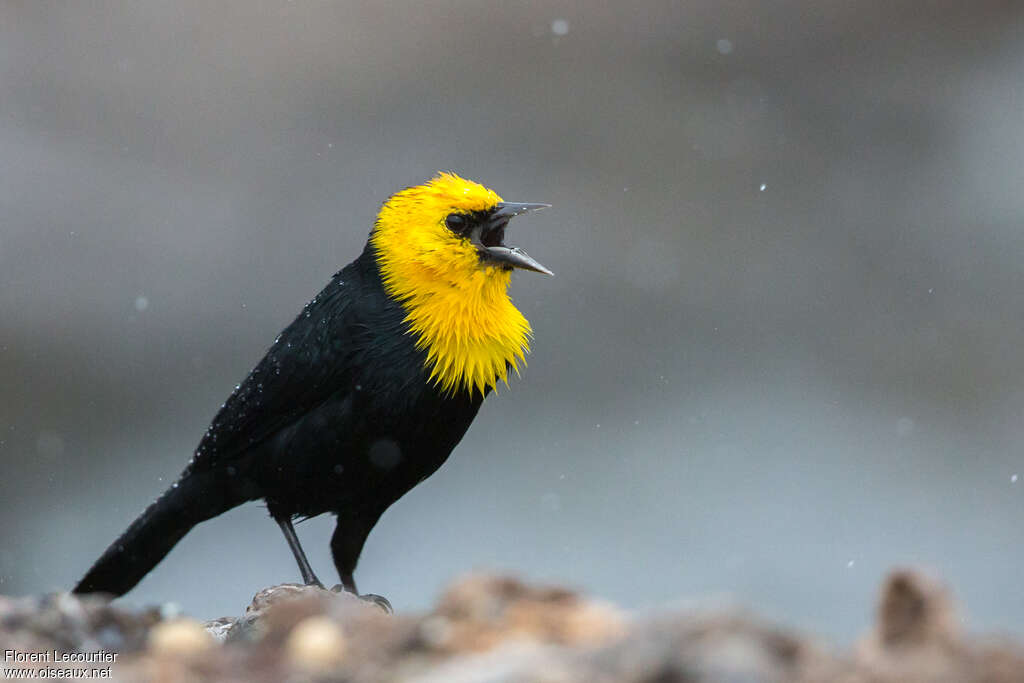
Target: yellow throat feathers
457,306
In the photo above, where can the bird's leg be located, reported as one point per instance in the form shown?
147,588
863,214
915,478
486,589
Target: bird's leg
308,577
348,583
346,545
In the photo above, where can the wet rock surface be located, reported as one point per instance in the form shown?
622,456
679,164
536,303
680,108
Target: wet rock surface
499,629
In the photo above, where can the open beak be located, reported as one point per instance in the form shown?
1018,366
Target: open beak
491,238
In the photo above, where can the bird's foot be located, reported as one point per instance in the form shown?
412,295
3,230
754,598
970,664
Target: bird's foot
378,600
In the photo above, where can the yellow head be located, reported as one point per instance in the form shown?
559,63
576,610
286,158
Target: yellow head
441,254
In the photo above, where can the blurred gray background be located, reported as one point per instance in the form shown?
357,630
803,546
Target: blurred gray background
782,353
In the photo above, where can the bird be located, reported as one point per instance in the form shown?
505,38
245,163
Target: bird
365,394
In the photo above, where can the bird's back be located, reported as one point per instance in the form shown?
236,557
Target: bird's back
341,404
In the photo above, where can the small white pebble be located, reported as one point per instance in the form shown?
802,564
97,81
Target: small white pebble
1013,479
179,637
316,643
560,27
724,46
849,564
763,187
141,303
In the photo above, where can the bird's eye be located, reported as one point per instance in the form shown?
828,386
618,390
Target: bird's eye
456,222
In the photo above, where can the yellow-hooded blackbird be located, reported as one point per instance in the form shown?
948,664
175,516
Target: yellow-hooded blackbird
365,394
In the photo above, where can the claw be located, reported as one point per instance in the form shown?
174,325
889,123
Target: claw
379,601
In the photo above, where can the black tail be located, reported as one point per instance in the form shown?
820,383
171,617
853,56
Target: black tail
194,499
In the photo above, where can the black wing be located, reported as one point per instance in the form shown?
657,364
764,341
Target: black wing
311,360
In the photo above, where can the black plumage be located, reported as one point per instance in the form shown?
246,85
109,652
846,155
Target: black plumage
340,416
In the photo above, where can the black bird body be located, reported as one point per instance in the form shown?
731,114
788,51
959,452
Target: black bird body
343,413
321,424
324,417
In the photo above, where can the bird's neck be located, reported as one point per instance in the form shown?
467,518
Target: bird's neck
464,321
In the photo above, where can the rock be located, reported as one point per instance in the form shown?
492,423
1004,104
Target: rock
498,629
219,628
275,610
71,623
480,611
917,638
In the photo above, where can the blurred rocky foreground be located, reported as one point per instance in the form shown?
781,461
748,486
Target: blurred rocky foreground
490,628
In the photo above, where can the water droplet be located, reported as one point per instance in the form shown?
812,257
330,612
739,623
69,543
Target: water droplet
724,46
1013,479
763,187
384,454
849,565
560,27
141,303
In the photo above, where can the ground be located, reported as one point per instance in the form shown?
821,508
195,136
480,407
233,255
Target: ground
489,628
